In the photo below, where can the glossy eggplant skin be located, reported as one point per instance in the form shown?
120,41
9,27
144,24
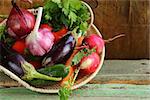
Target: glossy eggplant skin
61,51
11,60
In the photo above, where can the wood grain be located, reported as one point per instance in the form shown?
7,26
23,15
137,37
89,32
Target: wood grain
113,17
124,16
88,92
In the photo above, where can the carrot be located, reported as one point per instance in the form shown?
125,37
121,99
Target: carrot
79,42
68,77
68,63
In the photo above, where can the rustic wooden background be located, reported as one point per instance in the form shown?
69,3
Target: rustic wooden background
113,17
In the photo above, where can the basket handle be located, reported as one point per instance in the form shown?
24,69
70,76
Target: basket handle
91,13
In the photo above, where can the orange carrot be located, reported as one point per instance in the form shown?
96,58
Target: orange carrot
68,63
68,77
79,42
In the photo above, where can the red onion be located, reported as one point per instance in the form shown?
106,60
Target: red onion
20,22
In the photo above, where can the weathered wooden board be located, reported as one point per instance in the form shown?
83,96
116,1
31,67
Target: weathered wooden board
130,17
89,91
114,17
113,71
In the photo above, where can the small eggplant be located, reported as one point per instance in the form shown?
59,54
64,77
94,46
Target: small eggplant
11,61
15,63
61,51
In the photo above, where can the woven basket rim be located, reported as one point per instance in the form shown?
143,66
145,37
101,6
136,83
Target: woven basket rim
13,76
41,90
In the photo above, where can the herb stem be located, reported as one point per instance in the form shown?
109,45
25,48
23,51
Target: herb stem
76,74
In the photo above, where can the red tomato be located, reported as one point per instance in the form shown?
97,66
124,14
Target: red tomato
47,27
19,46
59,34
36,64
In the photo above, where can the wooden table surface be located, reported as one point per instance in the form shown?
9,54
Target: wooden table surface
117,80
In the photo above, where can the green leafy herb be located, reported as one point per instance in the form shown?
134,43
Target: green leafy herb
2,30
3,16
71,13
77,58
5,37
85,52
65,91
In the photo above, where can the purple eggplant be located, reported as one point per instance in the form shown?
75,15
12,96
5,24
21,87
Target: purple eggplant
61,51
11,60
15,63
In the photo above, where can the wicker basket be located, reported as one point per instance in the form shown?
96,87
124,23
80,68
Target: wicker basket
54,88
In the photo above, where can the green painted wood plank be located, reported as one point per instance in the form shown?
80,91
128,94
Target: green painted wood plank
79,98
114,90
88,91
125,67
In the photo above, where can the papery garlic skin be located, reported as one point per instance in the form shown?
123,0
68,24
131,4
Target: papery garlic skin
40,43
40,40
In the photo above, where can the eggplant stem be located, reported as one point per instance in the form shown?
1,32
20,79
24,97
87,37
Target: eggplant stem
31,73
45,77
38,20
114,38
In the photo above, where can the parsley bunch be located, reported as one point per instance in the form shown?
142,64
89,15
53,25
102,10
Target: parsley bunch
71,13
2,30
